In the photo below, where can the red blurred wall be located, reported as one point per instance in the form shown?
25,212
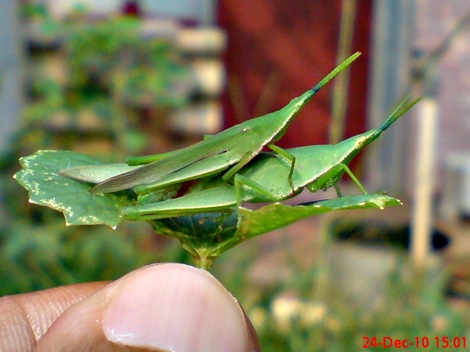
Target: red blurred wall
291,44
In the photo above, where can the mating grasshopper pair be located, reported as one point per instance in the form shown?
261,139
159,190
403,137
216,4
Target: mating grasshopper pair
252,176
268,177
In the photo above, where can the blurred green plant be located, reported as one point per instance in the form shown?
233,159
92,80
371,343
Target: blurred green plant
37,255
298,314
117,56
107,65
112,71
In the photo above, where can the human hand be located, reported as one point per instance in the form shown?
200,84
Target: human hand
165,307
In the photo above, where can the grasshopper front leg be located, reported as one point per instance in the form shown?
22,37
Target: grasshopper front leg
289,158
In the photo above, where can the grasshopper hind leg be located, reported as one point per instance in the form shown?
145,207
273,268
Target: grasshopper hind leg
356,181
240,181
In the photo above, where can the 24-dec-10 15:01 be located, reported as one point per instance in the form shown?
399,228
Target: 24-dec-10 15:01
415,342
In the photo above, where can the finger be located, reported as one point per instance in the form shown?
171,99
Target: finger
25,318
168,307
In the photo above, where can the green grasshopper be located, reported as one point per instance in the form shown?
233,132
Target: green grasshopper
233,147
265,179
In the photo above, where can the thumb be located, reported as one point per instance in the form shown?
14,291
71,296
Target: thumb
167,307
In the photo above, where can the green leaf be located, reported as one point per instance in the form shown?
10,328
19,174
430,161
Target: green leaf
277,215
207,236
40,175
200,234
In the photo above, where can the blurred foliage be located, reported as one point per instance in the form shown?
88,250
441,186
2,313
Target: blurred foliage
115,55
38,255
103,74
297,313
97,78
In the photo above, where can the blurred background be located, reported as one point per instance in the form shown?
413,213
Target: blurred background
117,78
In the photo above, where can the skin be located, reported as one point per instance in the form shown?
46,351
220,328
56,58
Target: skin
155,308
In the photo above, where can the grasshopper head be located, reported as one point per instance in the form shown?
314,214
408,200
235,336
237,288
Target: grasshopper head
352,146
